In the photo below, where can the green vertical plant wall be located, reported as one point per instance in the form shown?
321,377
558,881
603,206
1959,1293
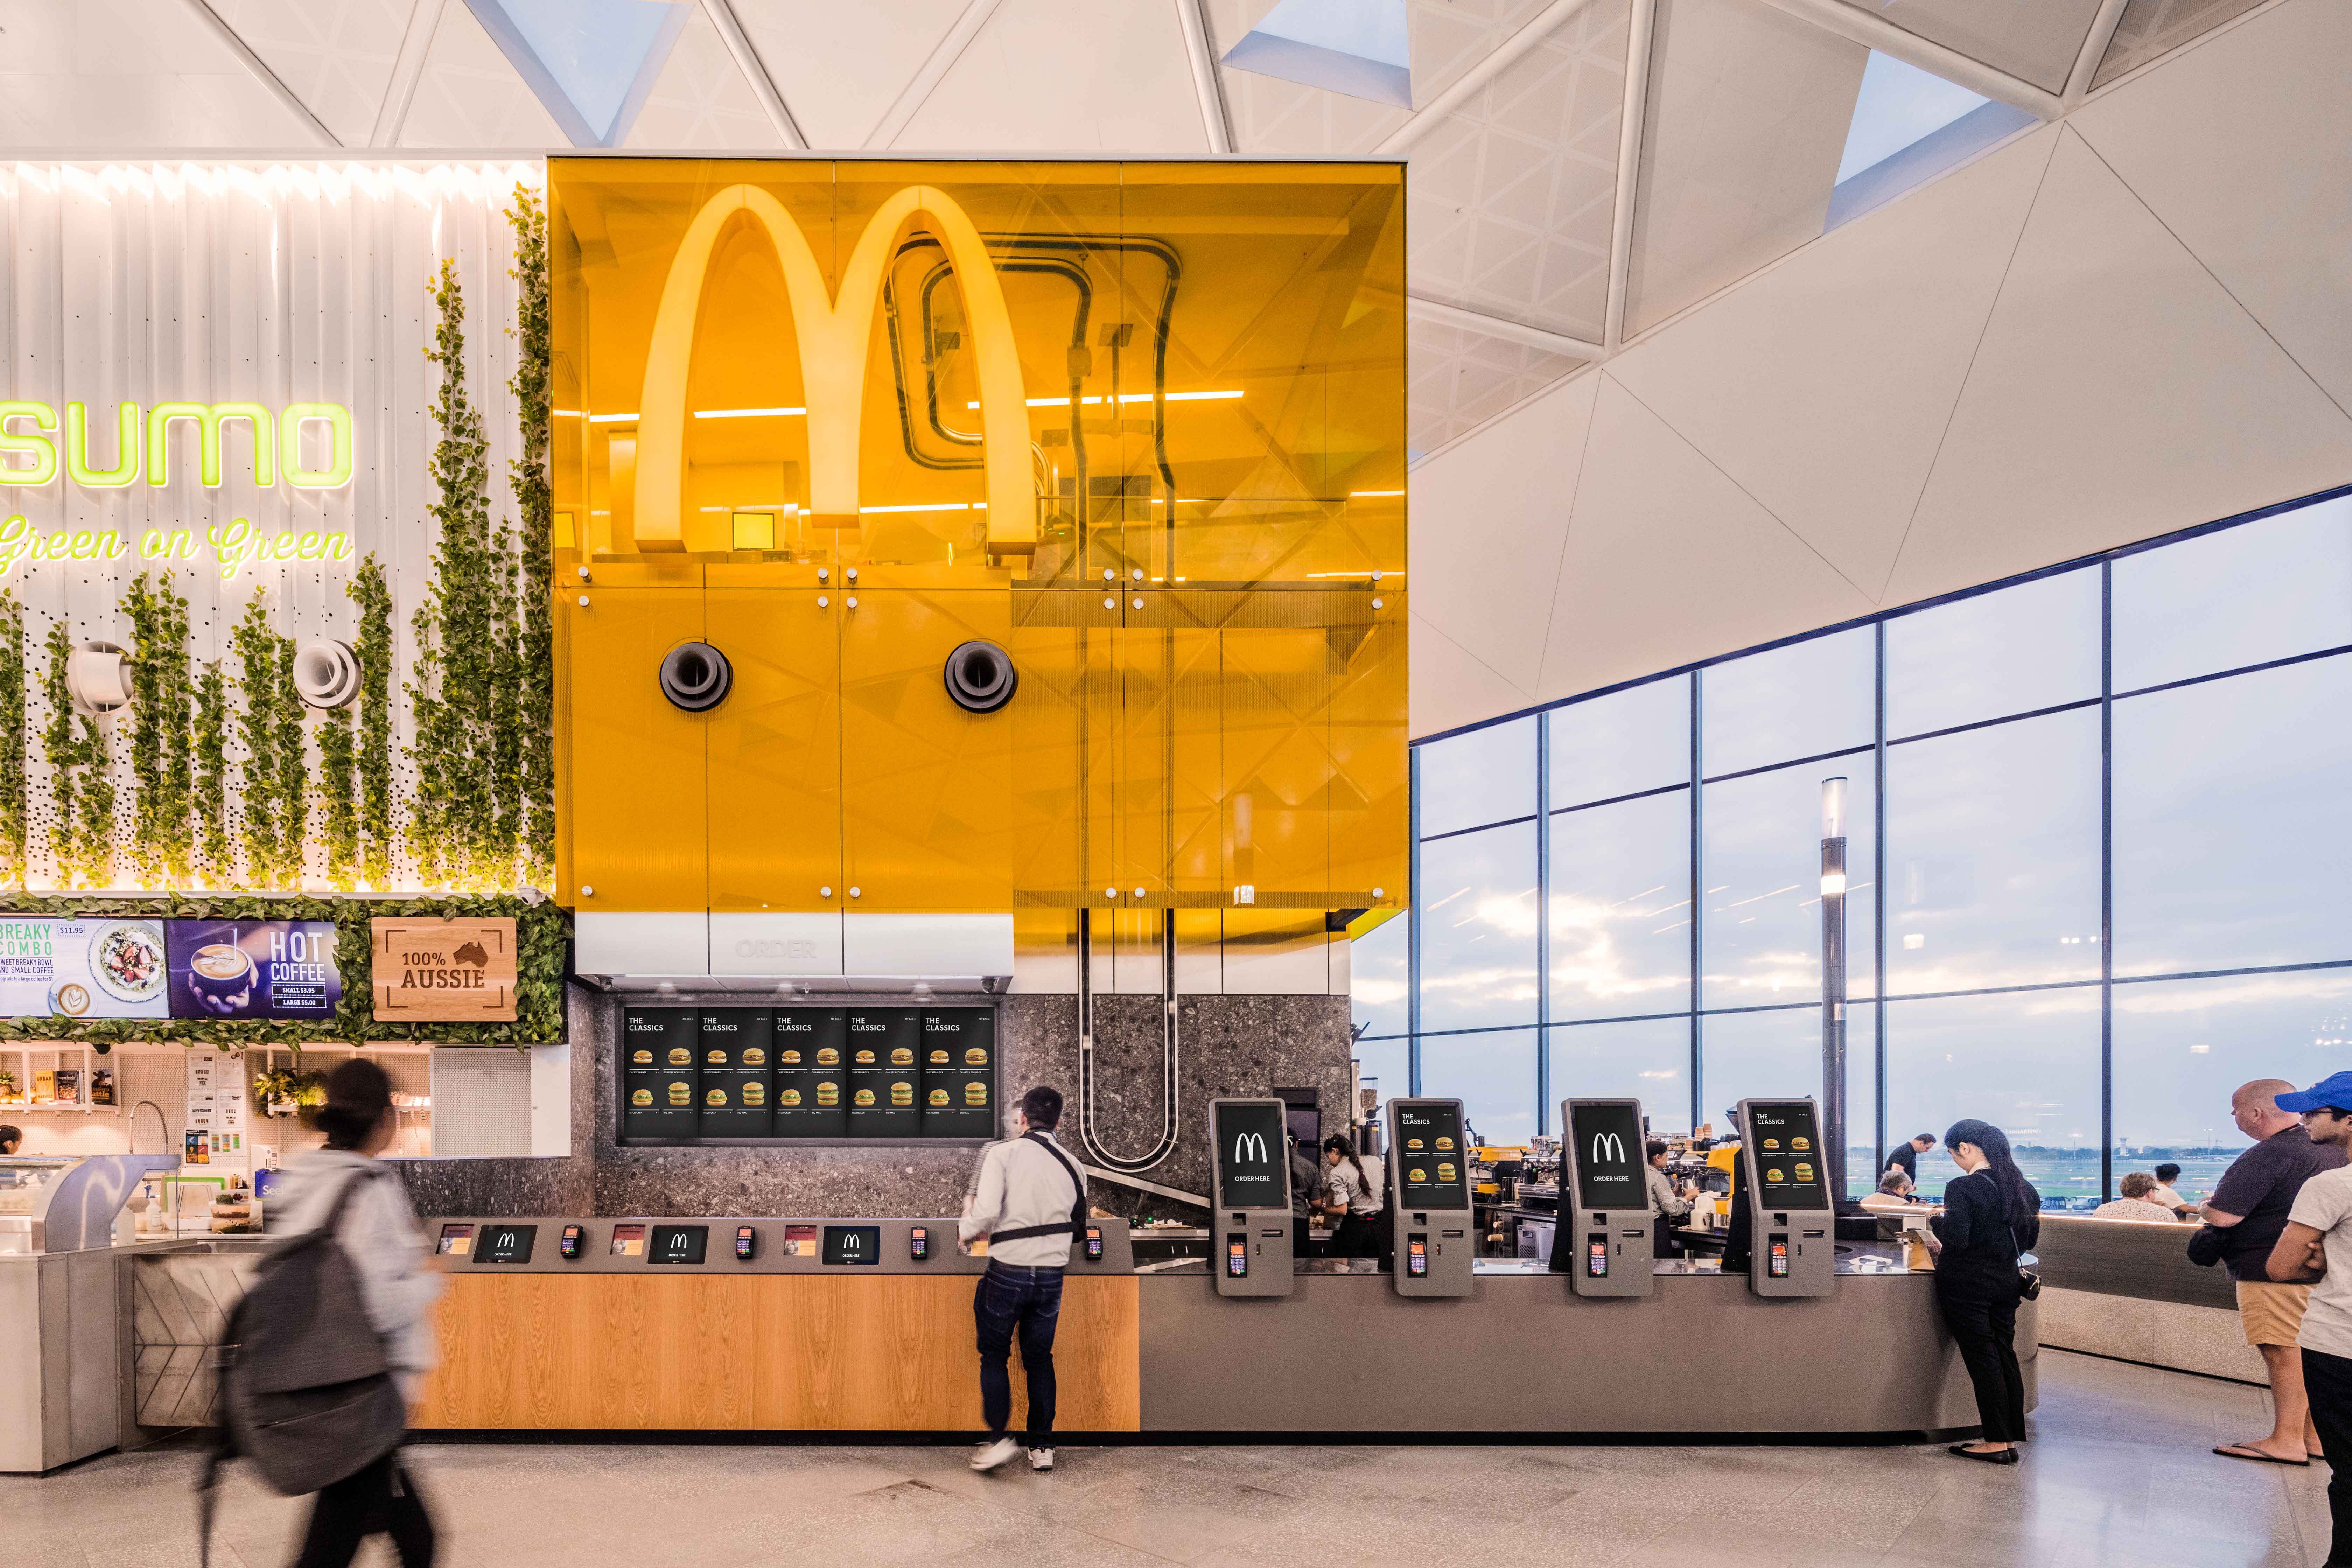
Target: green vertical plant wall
161,721
534,493
16,816
208,786
255,646
374,763
63,753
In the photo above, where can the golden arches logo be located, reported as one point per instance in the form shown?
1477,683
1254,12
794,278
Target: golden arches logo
832,333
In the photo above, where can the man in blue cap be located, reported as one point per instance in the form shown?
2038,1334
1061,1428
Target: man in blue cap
2316,1250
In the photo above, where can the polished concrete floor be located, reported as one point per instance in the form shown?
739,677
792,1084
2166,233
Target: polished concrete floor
2118,1473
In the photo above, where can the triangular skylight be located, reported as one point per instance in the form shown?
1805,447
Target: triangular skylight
591,62
1356,47
1909,126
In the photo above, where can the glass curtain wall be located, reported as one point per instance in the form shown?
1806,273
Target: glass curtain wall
2096,847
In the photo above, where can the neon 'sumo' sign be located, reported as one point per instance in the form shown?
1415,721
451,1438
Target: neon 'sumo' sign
143,443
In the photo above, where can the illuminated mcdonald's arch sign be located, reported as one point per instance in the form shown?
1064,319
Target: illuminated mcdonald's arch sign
143,442
832,333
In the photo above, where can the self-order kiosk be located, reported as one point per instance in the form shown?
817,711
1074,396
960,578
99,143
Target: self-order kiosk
1429,1201
1607,1195
1788,1196
1251,1157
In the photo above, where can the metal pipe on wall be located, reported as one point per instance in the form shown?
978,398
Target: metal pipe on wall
1833,982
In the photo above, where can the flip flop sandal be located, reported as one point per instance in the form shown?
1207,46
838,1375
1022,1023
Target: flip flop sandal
2255,1455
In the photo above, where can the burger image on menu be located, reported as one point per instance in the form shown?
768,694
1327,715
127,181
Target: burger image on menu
1445,1145
714,1096
641,1097
939,1058
788,1096
1771,1142
1412,1143
828,1058
863,1097
680,1056
755,1094
902,1057
828,1094
790,1058
715,1056
1801,1144
975,1056
681,1094
753,1056
1416,1175
1804,1172
1773,1175
1444,1173
865,1058
642,1057
975,1094
938,1097
902,1094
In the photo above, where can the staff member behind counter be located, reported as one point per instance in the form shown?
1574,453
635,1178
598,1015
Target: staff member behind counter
1353,1195
1669,1206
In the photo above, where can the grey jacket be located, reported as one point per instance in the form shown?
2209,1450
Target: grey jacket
398,1283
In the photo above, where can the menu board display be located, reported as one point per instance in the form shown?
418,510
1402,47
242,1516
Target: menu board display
1607,1136
82,969
1253,1166
882,1072
809,1058
253,969
661,1080
1789,1170
736,1077
958,1056
1435,1168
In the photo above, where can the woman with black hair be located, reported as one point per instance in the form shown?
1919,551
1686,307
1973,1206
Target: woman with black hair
11,1138
397,1287
1353,1195
1991,1214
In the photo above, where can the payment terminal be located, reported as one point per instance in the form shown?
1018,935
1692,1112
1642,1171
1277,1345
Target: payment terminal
1429,1184
1251,1157
1607,1195
1787,1196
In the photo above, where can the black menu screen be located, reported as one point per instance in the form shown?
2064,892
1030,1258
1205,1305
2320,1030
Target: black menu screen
1435,1167
1787,1148
1607,1136
1253,1168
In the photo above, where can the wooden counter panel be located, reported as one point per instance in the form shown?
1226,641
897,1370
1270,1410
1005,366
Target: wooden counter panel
760,1352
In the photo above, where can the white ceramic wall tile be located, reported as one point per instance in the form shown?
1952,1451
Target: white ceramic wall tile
1486,547
2241,147
2120,392
1823,386
1668,560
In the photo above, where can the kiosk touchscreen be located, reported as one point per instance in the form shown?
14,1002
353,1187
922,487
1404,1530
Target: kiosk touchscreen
1795,1248
1429,1184
1251,1159
1607,1197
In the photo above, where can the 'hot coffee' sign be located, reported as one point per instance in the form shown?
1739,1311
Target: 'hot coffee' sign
443,972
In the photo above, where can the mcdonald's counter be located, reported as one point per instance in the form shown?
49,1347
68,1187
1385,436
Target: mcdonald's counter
705,1324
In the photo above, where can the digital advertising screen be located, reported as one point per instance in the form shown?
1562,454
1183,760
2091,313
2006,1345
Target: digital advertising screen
82,969
507,1243
1787,1138
853,1244
1434,1166
1607,1136
679,1243
1253,1166
253,969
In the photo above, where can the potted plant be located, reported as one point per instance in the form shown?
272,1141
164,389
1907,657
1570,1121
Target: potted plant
7,1085
290,1091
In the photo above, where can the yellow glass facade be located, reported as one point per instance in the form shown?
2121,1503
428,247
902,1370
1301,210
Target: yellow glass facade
1141,424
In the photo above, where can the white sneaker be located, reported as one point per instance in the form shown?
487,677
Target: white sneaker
987,1456
1041,1459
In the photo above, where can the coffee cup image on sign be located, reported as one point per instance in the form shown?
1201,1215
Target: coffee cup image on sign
863,1097
680,1056
975,1094
902,1094
939,1058
221,977
828,1058
938,1097
828,1094
681,1094
975,1056
641,1097
69,999
788,1096
641,1058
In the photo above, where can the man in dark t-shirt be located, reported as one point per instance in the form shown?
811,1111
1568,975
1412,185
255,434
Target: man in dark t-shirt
1905,1157
2250,1208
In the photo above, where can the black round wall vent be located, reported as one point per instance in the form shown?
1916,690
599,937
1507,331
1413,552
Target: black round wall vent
695,677
981,677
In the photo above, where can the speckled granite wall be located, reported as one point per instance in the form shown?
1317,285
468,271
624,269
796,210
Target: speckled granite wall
1230,1045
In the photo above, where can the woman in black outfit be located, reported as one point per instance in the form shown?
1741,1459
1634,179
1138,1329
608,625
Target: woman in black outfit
1991,1214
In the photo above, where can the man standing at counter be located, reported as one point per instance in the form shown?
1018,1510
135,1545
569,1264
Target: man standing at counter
1029,1206
2250,1208
2316,1250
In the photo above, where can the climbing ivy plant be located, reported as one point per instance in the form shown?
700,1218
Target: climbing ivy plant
339,823
255,646
534,494
374,760
61,750
208,787
14,808
161,710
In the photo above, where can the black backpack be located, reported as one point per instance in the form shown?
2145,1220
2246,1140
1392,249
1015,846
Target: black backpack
305,1389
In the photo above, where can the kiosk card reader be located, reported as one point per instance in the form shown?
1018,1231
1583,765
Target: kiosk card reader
1788,1196
1607,1196
1251,1155
1429,1197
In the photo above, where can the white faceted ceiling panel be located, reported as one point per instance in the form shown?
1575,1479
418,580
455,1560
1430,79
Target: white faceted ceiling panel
701,100
139,75
839,67
1459,379
336,55
1513,195
2153,27
2035,39
470,96
1120,82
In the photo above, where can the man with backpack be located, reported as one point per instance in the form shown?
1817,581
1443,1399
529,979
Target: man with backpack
323,1355
1029,1206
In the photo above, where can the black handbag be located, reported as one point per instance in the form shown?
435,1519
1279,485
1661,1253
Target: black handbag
2207,1246
2028,1283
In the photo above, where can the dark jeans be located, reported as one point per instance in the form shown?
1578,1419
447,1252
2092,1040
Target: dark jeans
1986,1331
2327,1380
381,1498
1029,1301
1358,1235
